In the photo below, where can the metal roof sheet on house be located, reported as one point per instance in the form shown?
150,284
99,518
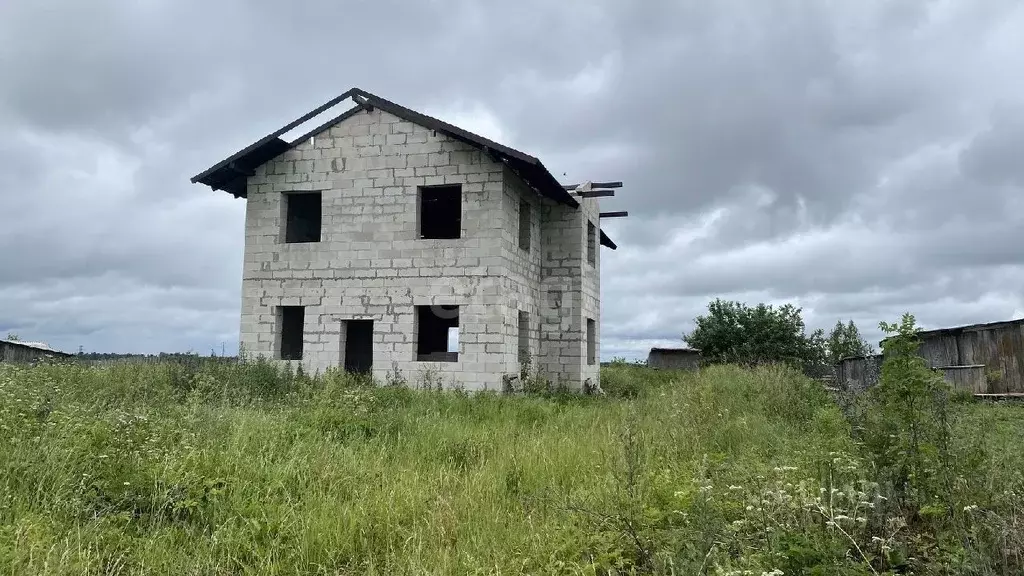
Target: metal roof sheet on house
230,174
676,350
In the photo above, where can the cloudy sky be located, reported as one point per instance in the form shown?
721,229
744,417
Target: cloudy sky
858,159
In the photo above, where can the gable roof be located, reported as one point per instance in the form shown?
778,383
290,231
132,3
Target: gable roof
230,174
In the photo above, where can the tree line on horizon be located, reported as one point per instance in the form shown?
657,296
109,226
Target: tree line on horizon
732,332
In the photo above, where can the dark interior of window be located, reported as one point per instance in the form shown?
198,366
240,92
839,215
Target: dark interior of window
591,341
291,320
524,225
432,329
591,243
302,222
441,212
524,337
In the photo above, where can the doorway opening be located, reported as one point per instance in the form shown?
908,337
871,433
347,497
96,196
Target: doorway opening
359,346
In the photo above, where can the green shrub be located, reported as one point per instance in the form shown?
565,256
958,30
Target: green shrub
937,472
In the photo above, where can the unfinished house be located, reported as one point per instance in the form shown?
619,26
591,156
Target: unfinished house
390,242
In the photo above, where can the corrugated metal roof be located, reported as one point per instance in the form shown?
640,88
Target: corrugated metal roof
923,334
971,327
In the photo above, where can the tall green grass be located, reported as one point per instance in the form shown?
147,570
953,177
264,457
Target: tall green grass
245,469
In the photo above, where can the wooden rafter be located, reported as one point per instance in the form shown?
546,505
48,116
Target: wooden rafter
596,193
594,185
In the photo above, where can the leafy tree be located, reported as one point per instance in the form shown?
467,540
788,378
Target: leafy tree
844,341
733,332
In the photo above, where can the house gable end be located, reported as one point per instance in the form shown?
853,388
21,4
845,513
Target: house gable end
230,174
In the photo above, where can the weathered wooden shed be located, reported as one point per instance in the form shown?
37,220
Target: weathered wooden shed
979,358
674,358
858,373
982,358
24,352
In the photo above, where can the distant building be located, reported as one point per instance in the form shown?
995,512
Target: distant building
980,358
19,351
674,358
858,373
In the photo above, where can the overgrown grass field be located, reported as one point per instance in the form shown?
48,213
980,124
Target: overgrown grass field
242,469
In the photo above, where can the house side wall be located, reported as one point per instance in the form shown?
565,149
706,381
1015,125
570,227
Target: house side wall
522,283
370,263
591,288
571,287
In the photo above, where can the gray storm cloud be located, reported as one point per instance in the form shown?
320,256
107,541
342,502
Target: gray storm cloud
860,159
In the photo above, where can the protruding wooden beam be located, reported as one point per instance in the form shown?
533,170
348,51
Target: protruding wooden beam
595,185
362,102
621,214
596,193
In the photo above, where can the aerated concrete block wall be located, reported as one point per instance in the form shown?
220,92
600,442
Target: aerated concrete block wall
590,293
571,286
550,282
370,263
522,281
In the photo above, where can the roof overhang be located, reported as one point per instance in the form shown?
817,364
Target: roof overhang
606,241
